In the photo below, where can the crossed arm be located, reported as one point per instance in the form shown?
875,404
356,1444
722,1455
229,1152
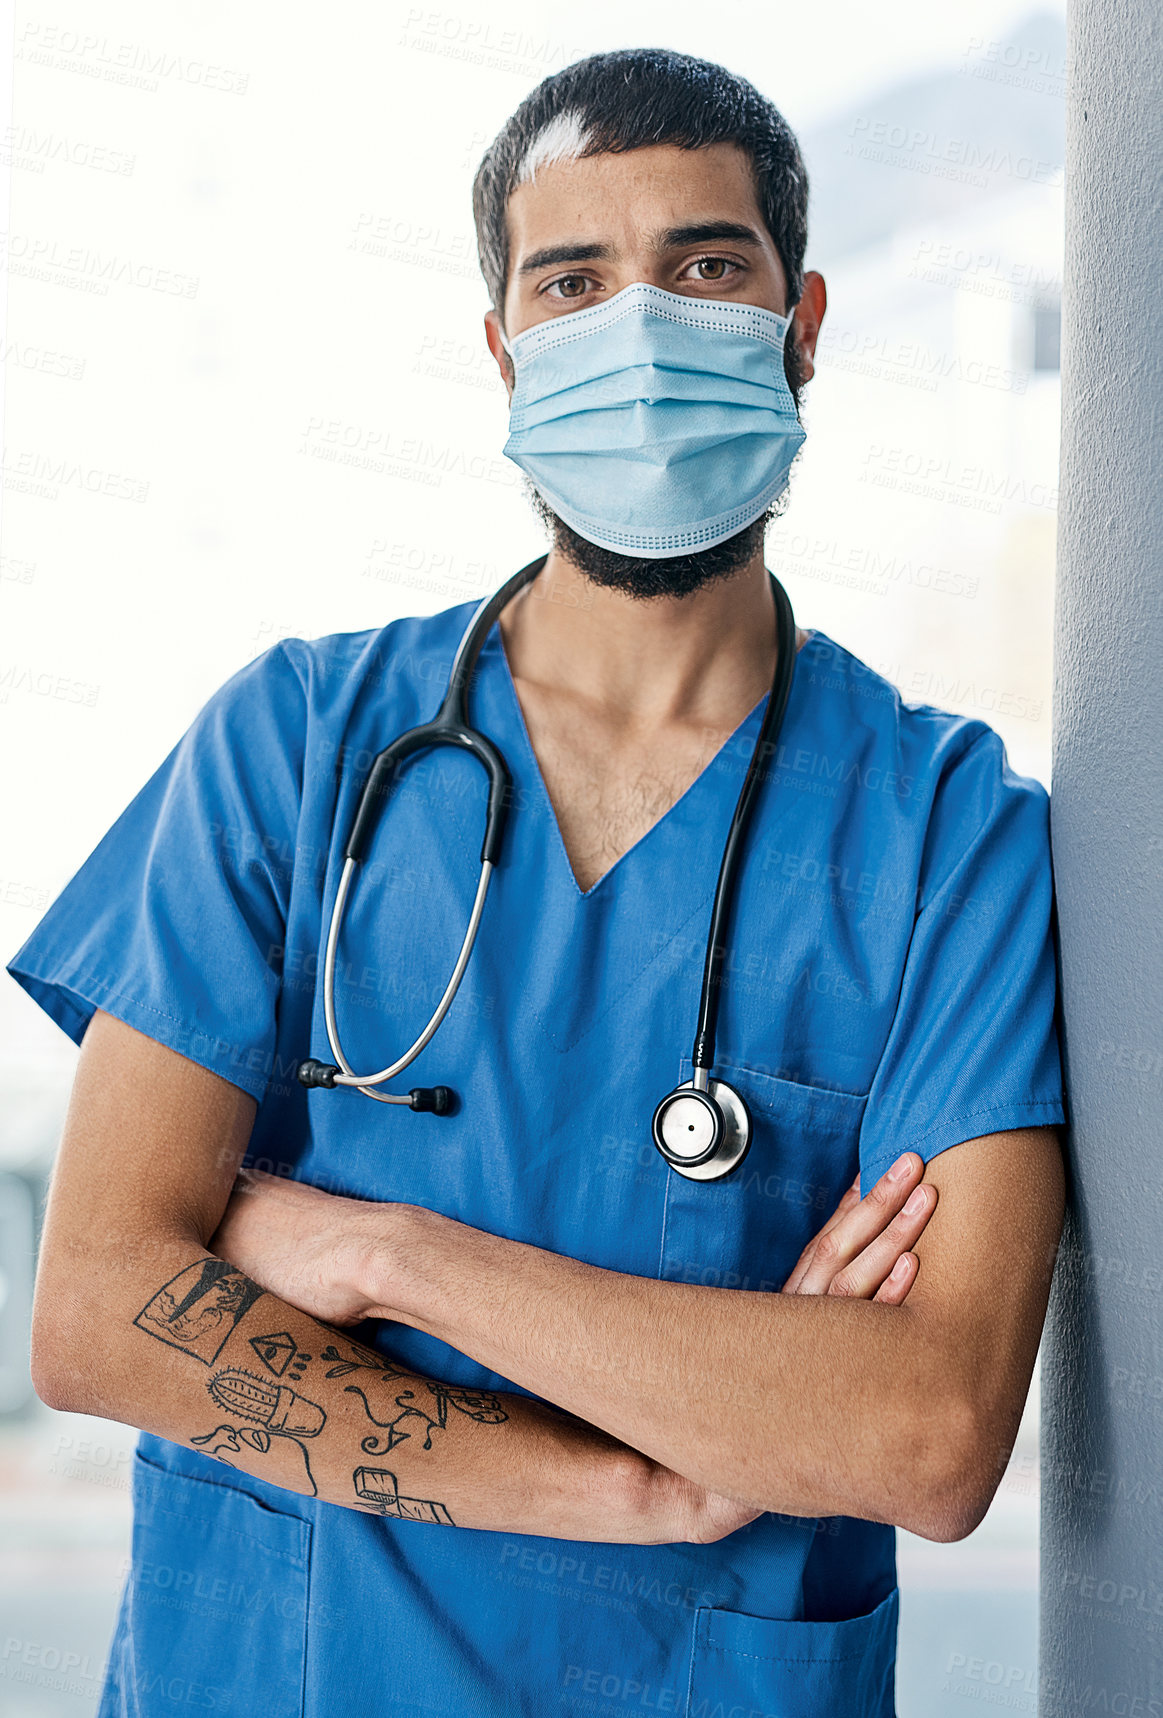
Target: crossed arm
828,1399
166,1302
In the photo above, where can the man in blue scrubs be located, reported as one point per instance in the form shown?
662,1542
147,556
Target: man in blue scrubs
672,1487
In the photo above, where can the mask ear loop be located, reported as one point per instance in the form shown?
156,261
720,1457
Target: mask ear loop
512,376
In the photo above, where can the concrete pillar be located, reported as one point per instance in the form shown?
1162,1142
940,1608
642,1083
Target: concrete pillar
1101,1646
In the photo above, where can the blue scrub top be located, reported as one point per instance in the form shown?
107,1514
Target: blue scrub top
890,987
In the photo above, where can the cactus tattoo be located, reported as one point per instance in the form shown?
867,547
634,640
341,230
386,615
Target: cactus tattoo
274,1406
279,1412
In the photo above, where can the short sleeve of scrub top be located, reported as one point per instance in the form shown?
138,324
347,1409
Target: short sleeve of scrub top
175,922
973,1046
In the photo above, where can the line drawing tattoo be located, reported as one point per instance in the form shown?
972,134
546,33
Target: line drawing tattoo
480,1405
293,1469
282,1414
278,1351
379,1493
275,1406
198,1309
366,1358
373,1446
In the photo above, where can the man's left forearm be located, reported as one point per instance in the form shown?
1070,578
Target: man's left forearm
810,1406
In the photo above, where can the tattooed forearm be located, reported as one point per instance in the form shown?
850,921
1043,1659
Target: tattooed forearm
300,1404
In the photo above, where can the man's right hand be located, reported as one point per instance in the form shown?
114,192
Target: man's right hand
863,1250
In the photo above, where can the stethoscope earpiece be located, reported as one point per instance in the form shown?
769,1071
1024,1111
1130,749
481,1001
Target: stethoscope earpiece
437,1100
703,1133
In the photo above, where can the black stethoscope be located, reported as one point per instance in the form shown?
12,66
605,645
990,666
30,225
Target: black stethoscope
702,1128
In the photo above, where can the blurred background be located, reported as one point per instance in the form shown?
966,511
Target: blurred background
247,395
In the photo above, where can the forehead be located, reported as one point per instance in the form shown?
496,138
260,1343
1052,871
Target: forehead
621,196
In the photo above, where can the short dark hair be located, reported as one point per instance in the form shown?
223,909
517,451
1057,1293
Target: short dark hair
629,99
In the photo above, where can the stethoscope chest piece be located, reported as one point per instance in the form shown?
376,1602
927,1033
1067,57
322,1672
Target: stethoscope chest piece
703,1135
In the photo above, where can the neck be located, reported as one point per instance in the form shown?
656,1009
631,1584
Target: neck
697,658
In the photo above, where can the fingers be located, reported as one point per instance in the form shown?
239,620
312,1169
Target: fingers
899,1281
851,1198
857,1253
868,1273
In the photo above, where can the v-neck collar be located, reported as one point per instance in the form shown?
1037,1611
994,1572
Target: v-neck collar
494,644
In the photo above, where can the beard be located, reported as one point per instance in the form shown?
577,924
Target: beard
671,575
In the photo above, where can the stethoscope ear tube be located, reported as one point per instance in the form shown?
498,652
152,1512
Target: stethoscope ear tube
449,727
445,730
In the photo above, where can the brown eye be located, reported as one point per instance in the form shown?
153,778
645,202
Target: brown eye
714,263
568,279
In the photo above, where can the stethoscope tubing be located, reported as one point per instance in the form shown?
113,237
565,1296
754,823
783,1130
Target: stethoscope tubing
363,1081
703,1054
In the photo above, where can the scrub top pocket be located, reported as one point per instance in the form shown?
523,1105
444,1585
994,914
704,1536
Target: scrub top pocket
747,1230
760,1667
214,1612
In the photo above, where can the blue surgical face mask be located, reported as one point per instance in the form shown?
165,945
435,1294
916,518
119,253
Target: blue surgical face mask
654,424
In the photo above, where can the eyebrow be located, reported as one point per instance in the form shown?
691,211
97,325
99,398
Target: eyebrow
670,238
